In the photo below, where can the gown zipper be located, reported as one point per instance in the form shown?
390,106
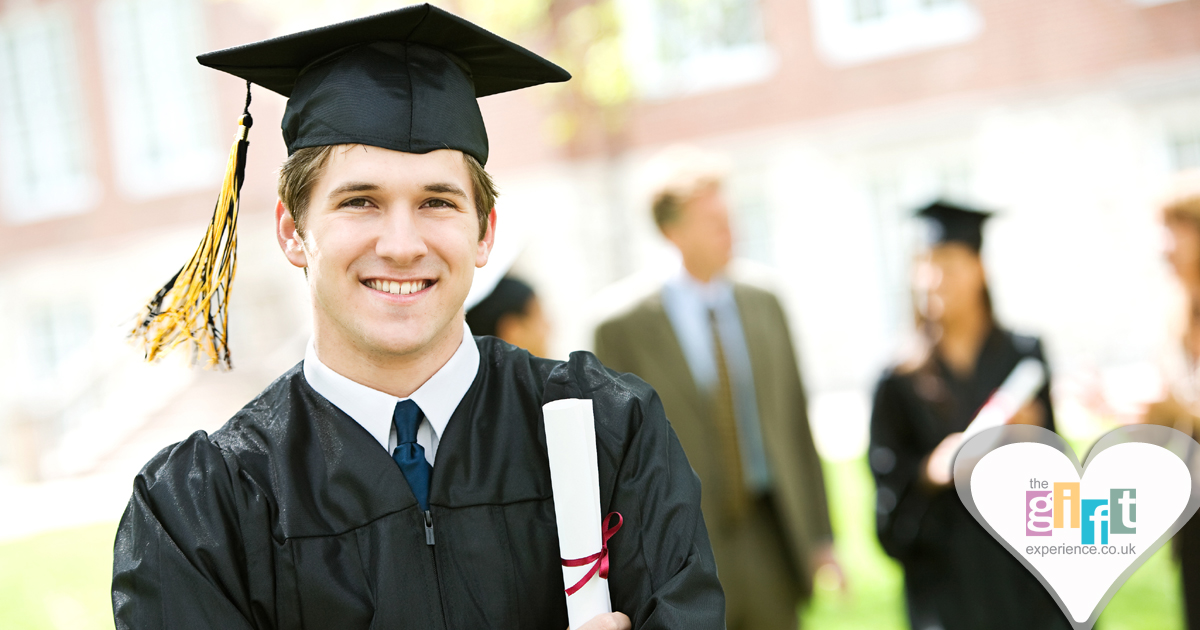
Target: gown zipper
429,542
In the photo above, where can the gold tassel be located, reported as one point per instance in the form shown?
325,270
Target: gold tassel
191,309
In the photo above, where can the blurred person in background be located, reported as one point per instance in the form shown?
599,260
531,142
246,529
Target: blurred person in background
720,355
1180,408
512,313
956,576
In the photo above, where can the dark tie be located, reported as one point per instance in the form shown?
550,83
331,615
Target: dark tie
736,498
410,455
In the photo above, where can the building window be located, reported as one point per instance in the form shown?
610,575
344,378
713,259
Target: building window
44,170
850,32
745,191
895,183
679,47
57,331
1185,150
863,11
157,96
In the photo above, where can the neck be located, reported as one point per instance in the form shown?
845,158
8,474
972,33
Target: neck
398,374
701,273
962,338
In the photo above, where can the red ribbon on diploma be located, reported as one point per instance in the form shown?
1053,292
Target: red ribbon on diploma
600,558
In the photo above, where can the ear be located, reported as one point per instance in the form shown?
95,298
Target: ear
488,240
670,231
289,239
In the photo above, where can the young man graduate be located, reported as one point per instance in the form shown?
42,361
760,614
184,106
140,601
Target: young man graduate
398,477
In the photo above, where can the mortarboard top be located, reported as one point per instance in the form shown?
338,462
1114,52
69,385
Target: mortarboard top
954,223
405,80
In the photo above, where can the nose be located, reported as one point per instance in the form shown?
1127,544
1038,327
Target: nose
400,239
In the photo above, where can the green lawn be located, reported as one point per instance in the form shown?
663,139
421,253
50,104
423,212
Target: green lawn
874,599
59,580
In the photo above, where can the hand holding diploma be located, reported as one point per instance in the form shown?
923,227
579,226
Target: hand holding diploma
1010,404
607,621
1012,396
575,481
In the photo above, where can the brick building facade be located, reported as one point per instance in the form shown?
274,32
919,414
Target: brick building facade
840,115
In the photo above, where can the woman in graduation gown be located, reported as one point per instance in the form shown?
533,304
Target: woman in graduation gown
957,577
1180,408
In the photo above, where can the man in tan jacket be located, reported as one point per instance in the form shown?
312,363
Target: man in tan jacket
720,355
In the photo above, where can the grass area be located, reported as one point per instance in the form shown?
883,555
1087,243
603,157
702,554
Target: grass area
874,598
60,580
1152,599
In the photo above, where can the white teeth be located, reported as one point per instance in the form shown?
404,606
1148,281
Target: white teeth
397,288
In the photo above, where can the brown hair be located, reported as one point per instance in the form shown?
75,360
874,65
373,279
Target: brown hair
1185,210
303,168
677,174
668,203
1181,199
919,354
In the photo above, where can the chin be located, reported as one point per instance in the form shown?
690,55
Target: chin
402,338
392,346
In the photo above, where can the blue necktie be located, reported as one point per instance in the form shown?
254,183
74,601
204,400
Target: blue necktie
410,455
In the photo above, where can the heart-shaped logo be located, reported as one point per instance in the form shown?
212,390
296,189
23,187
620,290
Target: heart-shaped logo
1081,530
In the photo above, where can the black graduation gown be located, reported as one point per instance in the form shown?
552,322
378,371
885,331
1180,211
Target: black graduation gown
291,516
957,577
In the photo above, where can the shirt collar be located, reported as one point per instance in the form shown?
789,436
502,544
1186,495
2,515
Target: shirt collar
710,294
438,397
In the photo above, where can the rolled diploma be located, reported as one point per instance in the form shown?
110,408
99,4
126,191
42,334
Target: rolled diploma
575,480
1018,389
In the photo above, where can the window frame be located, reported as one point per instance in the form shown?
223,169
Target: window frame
46,169
905,27
702,71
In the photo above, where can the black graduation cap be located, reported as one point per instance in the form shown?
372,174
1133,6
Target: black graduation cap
405,80
953,223
510,296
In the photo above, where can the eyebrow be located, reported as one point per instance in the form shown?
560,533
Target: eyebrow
446,189
353,187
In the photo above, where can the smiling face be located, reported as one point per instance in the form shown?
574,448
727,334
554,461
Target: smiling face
391,242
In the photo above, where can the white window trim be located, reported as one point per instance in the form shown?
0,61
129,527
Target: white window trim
188,166
704,72
905,28
78,192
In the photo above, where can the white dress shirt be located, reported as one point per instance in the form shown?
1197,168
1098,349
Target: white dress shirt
371,408
688,303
